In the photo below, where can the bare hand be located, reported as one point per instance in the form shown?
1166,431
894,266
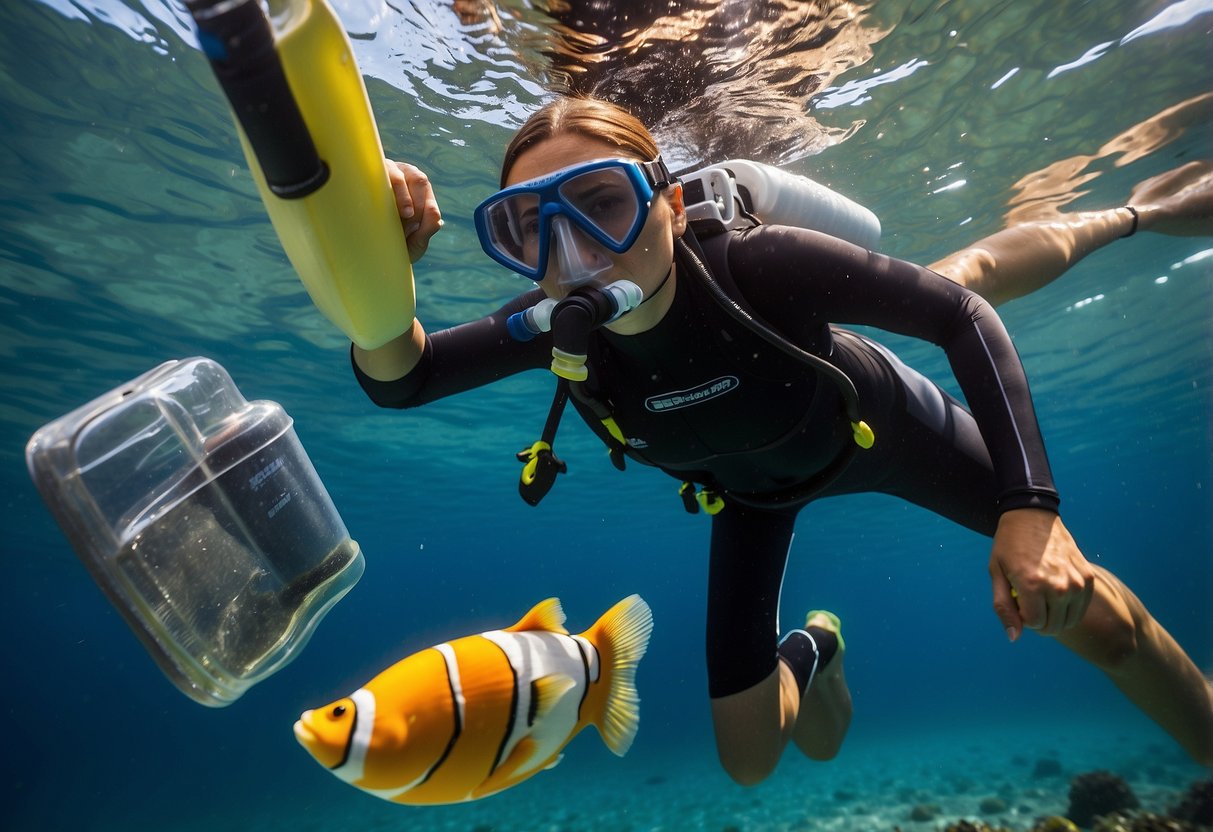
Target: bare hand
417,205
1178,202
1041,580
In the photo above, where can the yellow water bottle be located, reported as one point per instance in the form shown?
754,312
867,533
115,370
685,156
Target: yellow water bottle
310,138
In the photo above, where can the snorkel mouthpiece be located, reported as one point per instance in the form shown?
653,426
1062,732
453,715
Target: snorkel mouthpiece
579,314
624,295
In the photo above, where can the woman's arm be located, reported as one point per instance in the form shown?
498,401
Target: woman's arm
1039,577
801,281
1017,261
415,368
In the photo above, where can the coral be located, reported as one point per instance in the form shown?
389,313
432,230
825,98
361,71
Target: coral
1140,822
1054,823
970,826
923,812
1197,805
1098,793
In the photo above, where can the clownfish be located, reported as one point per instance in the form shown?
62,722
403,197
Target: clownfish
470,717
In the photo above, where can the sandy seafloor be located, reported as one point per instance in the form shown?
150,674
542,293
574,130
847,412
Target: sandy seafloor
875,784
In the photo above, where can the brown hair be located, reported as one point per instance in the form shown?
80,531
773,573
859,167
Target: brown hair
589,117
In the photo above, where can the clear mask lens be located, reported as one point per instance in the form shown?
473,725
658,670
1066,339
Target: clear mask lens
605,199
513,228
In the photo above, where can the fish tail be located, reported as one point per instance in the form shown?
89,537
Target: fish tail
621,636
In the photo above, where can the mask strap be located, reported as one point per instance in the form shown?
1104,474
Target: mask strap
657,173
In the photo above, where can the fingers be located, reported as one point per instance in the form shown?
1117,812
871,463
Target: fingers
1038,573
1005,607
1047,606
415,202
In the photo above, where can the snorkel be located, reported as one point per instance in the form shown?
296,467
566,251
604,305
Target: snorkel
570,320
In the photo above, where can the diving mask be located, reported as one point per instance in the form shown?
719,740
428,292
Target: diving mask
588,209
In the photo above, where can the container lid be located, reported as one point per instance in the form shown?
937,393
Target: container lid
112,465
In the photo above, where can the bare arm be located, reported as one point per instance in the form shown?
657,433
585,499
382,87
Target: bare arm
421,218
1017,261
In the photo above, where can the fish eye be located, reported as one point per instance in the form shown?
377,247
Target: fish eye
339,711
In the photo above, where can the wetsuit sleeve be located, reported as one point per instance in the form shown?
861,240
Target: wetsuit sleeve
462,358
800,281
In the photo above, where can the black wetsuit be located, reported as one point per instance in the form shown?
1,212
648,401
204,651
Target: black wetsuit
707,400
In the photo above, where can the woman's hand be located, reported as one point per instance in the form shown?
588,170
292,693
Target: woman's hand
1178,202
417,205
1041,580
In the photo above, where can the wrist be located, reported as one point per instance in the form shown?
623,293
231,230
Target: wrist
1027,518
1134,221
394,359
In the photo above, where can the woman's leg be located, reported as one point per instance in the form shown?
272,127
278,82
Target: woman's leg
1120,637
756,695
825,708
1019,260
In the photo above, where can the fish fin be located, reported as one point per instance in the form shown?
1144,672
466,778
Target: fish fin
546,615
507,774
621,635
555,762
546,692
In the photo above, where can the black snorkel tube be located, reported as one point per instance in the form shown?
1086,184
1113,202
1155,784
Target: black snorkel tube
238,40
571,321
861,433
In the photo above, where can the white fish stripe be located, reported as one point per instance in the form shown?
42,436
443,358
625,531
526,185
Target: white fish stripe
459,702
594,670
452,673
518,659
585,669
360,737
511,735
534,655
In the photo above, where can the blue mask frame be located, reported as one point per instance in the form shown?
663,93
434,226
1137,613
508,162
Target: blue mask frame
646,178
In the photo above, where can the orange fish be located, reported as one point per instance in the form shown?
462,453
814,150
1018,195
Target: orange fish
470,717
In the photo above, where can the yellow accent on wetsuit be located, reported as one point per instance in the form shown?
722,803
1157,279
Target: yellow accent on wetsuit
613,428
345,240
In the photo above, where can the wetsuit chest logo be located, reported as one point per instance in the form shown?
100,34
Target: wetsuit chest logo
695,395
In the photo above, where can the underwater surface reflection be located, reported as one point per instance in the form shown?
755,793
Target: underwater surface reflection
132,233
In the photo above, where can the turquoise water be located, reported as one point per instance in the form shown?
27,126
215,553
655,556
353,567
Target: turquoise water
132,234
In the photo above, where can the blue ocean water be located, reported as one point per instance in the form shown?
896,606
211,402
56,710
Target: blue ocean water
132,234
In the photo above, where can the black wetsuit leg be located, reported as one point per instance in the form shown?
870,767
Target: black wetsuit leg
745,573
928,451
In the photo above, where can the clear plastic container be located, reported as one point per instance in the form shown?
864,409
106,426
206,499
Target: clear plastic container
203,520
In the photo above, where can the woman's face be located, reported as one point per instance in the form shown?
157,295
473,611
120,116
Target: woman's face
648,261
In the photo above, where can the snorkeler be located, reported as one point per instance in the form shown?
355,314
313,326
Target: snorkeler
691,380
